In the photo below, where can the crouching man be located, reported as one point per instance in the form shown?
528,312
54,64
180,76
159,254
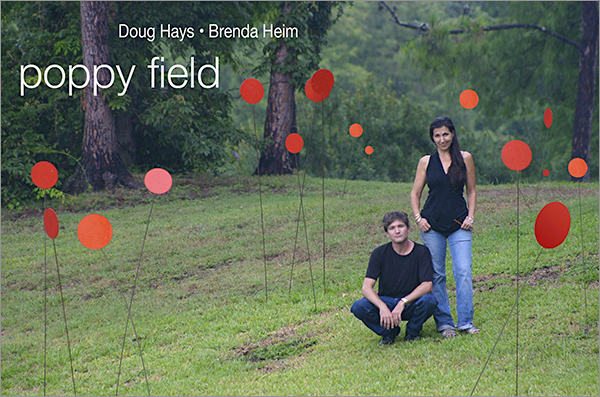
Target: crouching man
405,274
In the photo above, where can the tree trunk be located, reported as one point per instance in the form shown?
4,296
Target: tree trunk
126,145
588,68
281,114
102,166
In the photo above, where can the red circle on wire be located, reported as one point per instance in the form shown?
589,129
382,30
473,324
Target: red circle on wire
311,94
294,143
252,91
552,225
322,81
355,130
577,167
94,231
369,150
516,155
158,180
44,175
548,118
546,172
51,223
468,99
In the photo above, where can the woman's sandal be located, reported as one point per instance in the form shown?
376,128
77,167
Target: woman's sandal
448,333
470,331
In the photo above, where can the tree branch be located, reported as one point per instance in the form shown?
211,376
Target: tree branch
425,28
531,26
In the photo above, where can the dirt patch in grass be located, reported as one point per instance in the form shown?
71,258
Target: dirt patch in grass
553,274
284,343
286,335
94,295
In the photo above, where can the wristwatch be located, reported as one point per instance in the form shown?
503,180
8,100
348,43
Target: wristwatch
405,301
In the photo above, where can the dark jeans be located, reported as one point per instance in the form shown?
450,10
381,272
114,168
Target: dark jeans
416,313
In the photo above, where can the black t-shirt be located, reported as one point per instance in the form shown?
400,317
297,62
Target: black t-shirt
398,274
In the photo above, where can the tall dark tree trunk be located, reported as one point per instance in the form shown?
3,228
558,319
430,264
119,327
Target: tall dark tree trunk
281,113
588,68
126,145
102,166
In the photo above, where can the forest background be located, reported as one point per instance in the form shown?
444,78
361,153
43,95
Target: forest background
390,79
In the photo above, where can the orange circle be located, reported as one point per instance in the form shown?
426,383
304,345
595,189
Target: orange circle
44,175
252,91
51,223
548,118
94,231
578,167
516,155
311,94
356,130
468,99
294,143
369,150
322,81
158,181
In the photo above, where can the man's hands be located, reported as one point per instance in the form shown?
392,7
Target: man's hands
391,319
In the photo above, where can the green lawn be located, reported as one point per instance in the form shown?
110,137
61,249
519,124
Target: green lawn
207,326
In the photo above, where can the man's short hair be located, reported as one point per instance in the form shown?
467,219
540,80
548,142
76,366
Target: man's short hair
394,216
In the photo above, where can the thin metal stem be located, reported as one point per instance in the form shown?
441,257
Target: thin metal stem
586,330
45,300
301,205
131,303
323,185
517,301
64,316
519,292
262,220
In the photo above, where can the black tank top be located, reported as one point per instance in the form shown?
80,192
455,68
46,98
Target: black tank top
445,205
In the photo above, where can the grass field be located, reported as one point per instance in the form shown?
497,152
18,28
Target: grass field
213,317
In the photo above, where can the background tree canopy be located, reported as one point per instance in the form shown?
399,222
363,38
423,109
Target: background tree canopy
391,80
517,73
177,129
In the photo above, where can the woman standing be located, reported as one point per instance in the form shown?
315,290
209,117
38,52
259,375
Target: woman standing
446,217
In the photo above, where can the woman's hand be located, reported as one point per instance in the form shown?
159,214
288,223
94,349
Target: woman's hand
424,225
468,223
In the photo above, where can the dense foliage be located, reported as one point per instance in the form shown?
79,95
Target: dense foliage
391,125
178,129
313,20
390,79
43,124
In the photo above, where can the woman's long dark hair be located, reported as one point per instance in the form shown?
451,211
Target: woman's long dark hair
457,171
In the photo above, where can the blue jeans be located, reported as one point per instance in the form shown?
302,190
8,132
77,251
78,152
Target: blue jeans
416,313
460,249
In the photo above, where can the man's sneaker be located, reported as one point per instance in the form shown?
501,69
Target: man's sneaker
387,340
408,337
